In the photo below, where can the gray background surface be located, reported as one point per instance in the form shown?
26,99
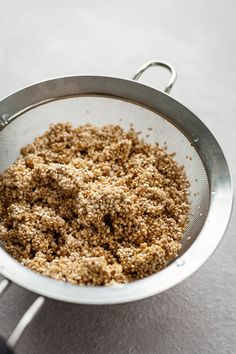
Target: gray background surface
41,40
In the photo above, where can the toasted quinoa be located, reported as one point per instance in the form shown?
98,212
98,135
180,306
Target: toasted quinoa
93,206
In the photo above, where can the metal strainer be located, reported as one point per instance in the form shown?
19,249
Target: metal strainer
106,100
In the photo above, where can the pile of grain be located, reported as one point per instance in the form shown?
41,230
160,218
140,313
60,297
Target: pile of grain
93,205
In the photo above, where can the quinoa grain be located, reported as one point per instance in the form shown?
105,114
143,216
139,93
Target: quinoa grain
93,206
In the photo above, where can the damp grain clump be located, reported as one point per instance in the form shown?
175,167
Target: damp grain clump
93,205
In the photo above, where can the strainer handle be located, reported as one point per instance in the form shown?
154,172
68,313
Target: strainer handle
159,63
6,347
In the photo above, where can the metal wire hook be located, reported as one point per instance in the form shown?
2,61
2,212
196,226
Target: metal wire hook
159,63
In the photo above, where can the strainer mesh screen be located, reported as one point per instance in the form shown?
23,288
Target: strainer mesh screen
100,110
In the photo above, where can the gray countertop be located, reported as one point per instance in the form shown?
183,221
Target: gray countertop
41,40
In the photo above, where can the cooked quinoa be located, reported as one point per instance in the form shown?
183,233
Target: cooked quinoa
93,206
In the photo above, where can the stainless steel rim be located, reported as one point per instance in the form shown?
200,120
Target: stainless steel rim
208,149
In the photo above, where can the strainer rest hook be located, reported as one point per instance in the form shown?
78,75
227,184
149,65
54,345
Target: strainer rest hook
158,63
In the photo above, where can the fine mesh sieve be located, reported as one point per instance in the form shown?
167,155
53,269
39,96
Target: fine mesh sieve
99,111
105,100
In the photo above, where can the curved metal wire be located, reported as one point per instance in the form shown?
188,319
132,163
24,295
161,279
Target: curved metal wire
159,63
